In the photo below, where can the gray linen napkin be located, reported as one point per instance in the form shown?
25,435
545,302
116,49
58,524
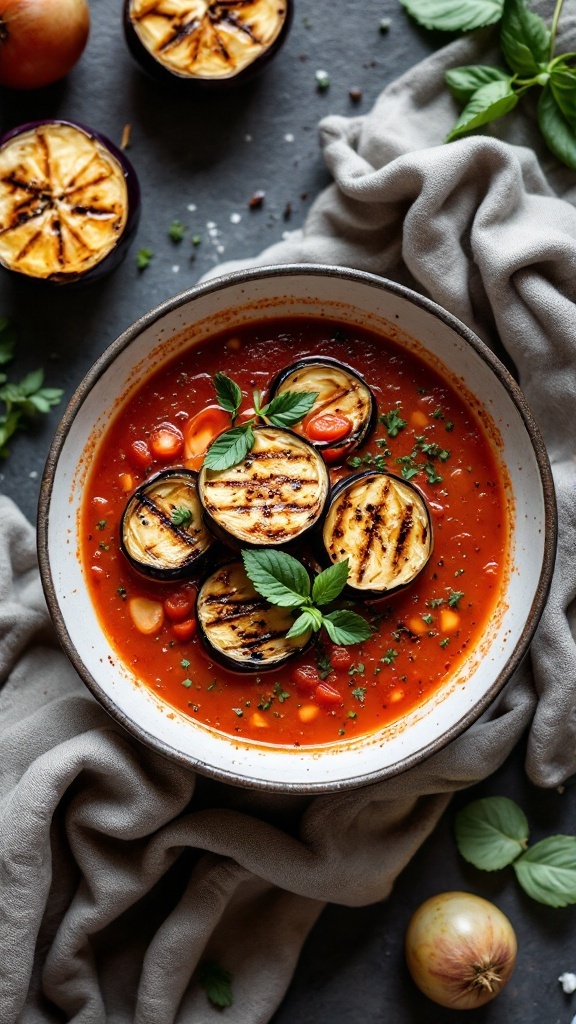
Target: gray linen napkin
119,871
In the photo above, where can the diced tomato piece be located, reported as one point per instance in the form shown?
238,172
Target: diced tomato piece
201,430
328,695
180,605
139,454
335,455
306,678
184,630
166,442
326,426
340,658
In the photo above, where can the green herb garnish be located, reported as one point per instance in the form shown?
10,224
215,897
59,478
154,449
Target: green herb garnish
359,692
176,231
180,516
22,401
284,581
143,257
454,597
228,393
217,983
393,422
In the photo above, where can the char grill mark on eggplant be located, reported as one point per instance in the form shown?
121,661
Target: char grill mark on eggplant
240,628
152,539
382,525
63,201
274,495
207,39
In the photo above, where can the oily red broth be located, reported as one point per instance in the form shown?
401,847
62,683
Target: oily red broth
422,634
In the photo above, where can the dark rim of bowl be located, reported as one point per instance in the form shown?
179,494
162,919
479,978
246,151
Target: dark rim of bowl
550,513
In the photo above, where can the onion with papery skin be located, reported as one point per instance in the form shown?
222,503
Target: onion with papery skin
460,950
40,40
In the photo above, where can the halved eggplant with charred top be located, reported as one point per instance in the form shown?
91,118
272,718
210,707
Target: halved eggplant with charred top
241,629
344,412
69,202
205,43
274,496
382,525
162,531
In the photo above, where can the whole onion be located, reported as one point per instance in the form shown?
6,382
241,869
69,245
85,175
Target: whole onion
460,950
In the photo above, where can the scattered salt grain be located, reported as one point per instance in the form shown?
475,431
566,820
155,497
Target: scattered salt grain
192,207
220,249
568,982
33,474
235,218
288,137
247,138
175,268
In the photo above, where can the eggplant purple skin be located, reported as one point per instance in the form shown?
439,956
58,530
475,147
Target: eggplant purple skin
186,571
191,85
323,556
247,667
346,447
118,253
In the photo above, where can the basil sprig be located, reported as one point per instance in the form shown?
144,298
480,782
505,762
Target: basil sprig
231,447
527,45
284,581
493,833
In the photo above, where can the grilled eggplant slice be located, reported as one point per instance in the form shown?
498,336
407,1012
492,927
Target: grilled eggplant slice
162,531
69,202
273,497
205,42
240,629
344,399
381,523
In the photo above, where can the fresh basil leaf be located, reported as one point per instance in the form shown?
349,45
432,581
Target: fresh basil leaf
465,81
229,448
228,393
330,583
278,577
487,104
524,39
563,87
547,871
217,983
454,15
305,623
31,382
344,627
491,833
558,133
289,407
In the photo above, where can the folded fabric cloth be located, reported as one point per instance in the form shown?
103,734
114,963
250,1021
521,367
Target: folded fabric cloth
119,871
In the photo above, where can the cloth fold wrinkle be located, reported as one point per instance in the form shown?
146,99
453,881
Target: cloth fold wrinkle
117,875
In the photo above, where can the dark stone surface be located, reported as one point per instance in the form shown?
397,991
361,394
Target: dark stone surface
215,153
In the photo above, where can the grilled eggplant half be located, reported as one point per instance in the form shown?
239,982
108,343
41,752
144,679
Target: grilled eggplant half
162,531
273,497
344,412
69,202
240,629
205,42
381,523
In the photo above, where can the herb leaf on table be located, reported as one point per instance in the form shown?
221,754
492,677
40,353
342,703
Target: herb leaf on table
454,15
547,871
23,400
491,833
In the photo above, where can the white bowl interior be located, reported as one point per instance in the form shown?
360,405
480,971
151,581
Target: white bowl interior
237,300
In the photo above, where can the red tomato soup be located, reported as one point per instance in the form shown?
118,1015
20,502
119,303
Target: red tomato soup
422,633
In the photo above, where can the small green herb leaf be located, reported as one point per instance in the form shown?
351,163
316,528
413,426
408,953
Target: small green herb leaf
143,257
454,15
330,583
491,833
547,871
344,627
228,393
359,692
176,231
393,422
559,134
454,597
465,81
289,407
563,87
217,983
305,623
487,104
229,448
524,39
181,516
277,576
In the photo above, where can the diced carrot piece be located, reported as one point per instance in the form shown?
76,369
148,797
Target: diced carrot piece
417,625
139,454
396,695
126,482
200,430
146,615
328,695
166,442
184,630
179,605
449,620
307,712
326,427
418,419
259,721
